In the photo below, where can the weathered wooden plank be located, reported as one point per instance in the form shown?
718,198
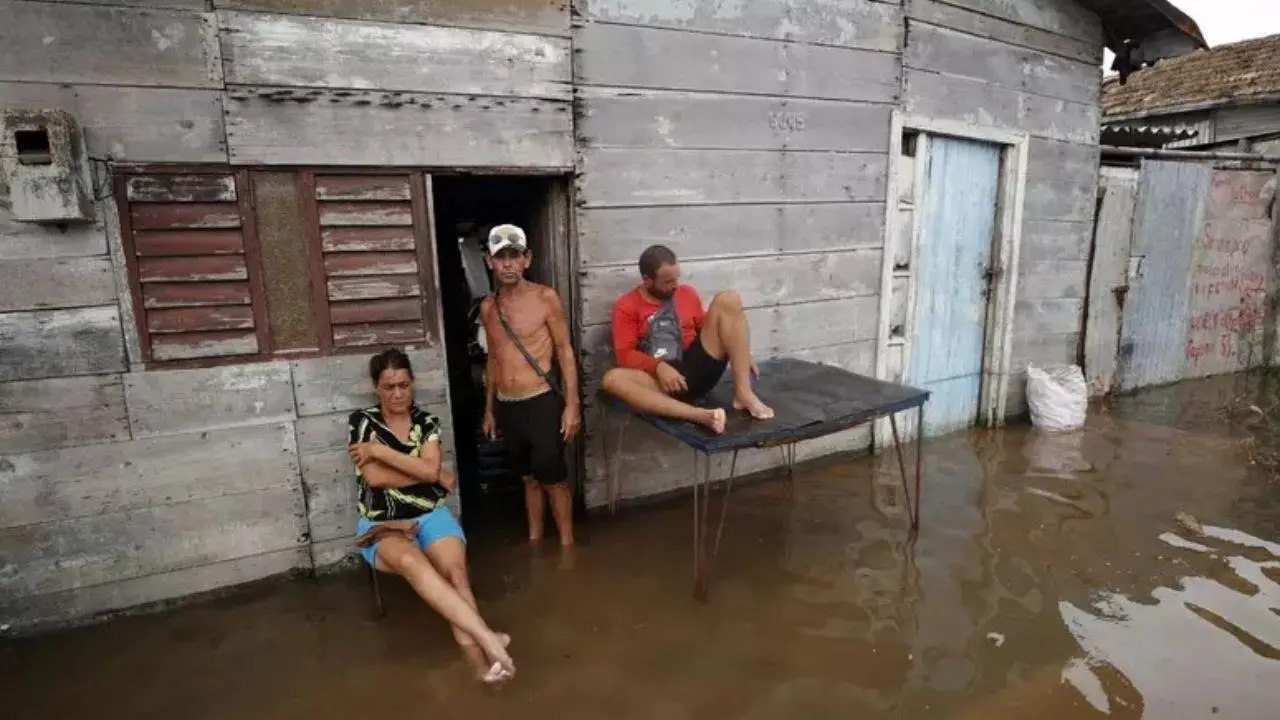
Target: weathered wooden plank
192,269
362,187
1055,240
953,53
182,294
282,126
628,177
1071,19
192,345
185,243
116,479
371,311
1043,351
372,288
385,239
380,333
1062,181
133,123
56,343
68,43
1055,316
28,612
168,402
1001,30
365,213
542,16
857,24
61,412
56,283
178,216
146,4
1052,279
27,241
987,105
1110,270
200,319
618,235
68,554
371,263
662,119
298,51
623,56
181,188
336,384
761,281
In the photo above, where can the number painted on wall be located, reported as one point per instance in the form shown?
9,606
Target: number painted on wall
786,121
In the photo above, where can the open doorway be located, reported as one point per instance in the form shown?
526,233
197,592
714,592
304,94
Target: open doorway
466,208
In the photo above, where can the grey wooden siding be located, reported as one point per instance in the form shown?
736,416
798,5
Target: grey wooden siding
1028,67
739,137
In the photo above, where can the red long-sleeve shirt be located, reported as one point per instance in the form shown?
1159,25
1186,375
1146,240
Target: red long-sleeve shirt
631,315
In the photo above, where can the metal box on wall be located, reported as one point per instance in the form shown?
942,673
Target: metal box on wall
40,164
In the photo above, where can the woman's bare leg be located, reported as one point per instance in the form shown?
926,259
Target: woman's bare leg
401,556
449,557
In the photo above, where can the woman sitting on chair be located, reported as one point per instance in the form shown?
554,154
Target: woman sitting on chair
404,527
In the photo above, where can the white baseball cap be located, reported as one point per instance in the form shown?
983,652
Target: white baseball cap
505,236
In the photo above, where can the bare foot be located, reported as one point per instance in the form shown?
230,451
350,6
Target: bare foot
748,401
503,668
715,420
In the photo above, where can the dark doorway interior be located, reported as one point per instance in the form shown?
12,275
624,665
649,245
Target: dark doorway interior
466,207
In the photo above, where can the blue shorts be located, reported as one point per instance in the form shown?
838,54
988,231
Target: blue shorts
435,525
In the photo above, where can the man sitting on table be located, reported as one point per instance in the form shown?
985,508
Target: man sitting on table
670,353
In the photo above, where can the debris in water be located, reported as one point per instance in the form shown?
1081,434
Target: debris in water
996,638
1189,523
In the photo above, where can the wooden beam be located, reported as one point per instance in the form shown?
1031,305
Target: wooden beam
54,343
56,283
208,398
298,51
61,412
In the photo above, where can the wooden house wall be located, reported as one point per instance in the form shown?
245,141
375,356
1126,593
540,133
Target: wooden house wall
752,139
1035,68
122,485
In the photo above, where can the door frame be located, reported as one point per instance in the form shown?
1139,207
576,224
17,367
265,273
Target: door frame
998,343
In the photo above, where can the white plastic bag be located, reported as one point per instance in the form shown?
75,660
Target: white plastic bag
1058,397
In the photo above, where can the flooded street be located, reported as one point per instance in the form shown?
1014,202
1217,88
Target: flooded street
1131,570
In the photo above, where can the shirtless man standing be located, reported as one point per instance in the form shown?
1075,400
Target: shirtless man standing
537,412
670,353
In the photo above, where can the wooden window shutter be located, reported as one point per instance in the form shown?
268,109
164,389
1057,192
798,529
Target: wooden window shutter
374,258
190,246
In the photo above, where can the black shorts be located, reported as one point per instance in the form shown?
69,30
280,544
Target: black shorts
701,371
531,437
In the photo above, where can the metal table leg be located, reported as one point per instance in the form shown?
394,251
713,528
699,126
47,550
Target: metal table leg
701,514
913,508
915,519
612,481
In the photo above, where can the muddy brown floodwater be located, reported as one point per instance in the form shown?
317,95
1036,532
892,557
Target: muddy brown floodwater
1130,570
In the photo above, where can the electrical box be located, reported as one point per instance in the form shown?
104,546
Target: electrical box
41,164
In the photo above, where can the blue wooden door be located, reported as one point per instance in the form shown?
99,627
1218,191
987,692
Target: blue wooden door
957,217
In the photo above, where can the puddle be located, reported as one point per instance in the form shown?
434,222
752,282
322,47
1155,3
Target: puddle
1130,570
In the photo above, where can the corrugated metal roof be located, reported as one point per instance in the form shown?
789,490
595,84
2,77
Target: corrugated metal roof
1246,71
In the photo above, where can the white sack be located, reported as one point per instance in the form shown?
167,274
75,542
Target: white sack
1058,397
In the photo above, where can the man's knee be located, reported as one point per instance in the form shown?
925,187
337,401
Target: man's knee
611,379
727,301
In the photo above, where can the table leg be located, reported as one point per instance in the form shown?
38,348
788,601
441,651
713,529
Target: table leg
724,504
902,467
612,481
701,508
915,520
